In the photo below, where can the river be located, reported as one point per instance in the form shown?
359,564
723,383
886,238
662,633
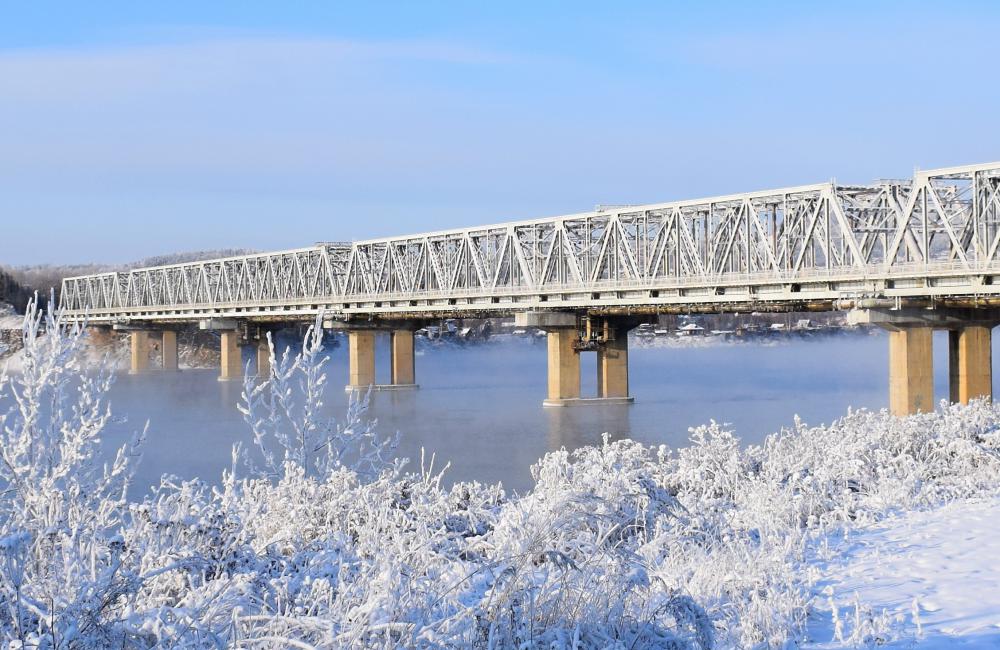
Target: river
479,406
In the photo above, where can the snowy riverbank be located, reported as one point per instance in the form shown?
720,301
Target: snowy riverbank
316,540
928,577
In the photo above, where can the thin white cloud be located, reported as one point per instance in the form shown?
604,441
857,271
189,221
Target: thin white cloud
39,74
266,106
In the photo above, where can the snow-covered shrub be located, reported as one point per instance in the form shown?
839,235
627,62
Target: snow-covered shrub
867,463
283,409
62,580
330,545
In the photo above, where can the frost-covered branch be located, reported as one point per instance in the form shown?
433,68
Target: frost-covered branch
61,504
284,413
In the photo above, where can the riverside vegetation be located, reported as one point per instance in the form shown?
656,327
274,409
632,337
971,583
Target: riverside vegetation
318,538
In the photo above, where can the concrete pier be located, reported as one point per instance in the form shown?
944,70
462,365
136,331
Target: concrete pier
402,359
970,355
564,367
361,352
263,351
612,362
911,379
911,374
168,349
231,362
361,356
139,343
568,336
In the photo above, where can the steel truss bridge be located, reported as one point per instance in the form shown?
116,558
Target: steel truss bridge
932,238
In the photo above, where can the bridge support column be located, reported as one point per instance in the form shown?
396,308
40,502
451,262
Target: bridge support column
361,352
402,359
263,351
564,367
612,362
168,349
911,376
139,343
911,383
970,360
568,336
231,361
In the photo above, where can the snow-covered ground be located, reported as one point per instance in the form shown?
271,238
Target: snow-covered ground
869,531
9,319
931,577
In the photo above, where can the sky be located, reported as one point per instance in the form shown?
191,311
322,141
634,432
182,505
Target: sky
130,129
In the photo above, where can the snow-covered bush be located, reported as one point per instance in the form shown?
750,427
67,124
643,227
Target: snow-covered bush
331,545
282,410
62,580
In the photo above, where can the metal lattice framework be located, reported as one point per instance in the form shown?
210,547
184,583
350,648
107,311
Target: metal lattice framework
934,235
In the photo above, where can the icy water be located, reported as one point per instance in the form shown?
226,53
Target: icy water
479,406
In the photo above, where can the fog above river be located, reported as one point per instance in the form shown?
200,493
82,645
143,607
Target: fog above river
479,407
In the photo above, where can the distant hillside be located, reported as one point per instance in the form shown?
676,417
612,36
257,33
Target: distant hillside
45,276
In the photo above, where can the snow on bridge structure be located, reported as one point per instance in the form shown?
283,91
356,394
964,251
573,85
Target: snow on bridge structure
908,255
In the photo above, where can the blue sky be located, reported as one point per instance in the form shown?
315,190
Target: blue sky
130,129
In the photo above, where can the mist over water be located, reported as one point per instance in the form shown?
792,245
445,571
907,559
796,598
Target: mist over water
479,406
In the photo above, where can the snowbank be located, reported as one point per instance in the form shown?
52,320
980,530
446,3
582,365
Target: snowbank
9,318
619,545
929,577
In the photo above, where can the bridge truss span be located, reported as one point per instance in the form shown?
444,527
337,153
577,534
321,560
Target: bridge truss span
935,235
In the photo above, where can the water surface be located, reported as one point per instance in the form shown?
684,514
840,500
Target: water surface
479,406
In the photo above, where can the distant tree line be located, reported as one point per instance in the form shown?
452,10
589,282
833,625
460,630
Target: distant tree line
48,277
13,292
